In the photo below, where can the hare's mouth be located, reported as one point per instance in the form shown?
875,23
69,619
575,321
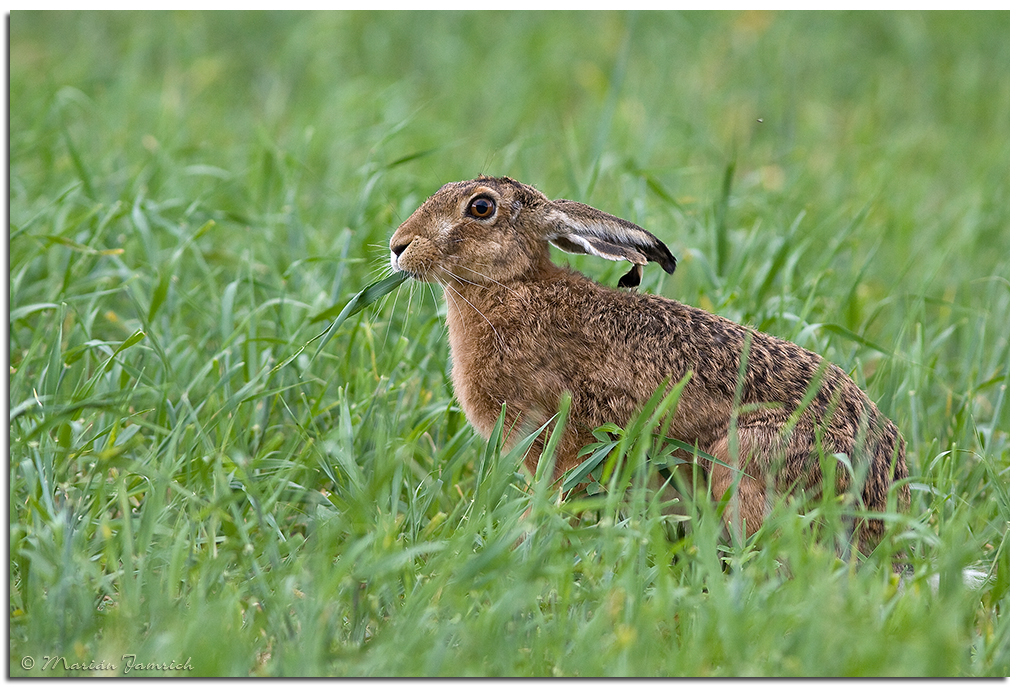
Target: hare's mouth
416,273
419,277
394,262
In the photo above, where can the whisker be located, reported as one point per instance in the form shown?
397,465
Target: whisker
452,302
462,280
465,299
389,320
494,281
435,300
381,267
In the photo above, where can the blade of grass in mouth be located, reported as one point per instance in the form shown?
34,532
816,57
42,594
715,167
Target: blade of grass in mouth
364,298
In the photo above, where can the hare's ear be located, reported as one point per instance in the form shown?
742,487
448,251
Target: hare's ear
578,228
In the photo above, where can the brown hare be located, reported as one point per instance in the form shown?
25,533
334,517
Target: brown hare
524,331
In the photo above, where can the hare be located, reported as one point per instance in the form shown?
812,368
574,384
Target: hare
524,331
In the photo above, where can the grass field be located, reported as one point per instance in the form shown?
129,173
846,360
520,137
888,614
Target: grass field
193,197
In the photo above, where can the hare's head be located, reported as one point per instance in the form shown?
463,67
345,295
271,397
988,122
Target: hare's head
498,229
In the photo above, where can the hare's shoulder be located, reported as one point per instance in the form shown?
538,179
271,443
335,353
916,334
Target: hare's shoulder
644,315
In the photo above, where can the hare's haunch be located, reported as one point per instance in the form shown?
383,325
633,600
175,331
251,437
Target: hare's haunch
523,331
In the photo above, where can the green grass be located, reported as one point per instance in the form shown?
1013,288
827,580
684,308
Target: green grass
194,196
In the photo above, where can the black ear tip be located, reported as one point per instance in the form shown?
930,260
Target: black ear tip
666,260
631,279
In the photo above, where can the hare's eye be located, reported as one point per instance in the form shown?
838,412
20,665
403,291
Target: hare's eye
482,207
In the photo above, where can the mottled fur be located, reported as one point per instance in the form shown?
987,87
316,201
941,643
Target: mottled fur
523,331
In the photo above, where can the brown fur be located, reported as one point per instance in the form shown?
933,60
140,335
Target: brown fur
524,331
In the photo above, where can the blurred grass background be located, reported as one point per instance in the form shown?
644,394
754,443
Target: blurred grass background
192,195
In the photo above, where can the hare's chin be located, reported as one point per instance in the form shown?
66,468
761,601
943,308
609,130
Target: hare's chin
413,274
418,277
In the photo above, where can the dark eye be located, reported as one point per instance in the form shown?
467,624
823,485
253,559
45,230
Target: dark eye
482,207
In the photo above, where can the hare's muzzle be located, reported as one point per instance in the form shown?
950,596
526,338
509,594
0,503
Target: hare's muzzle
395,252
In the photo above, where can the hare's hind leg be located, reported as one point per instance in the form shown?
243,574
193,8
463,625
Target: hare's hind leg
750,501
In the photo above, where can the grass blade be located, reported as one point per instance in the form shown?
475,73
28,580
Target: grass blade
364,298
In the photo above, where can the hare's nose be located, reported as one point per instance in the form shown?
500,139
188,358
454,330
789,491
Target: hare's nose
399,248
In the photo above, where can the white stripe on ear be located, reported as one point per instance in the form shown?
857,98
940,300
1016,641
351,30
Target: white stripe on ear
578,228
576,243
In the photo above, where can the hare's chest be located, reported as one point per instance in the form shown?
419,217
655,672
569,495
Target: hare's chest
488,373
